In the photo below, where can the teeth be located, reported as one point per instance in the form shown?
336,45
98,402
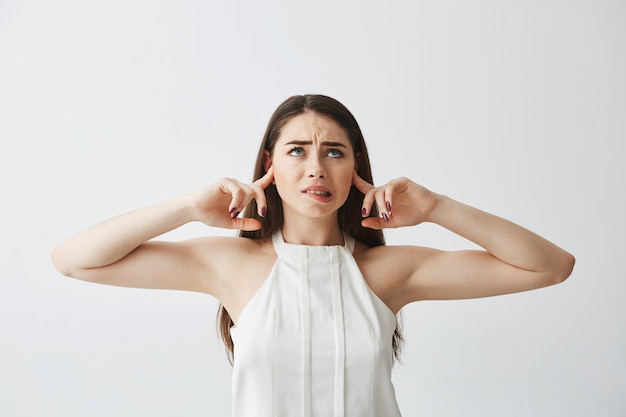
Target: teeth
324,193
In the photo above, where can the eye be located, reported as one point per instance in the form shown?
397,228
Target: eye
297,151
335,153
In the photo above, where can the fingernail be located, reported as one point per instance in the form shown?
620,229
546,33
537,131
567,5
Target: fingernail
363,212
385,218
388,204
232,210
235,214
263,211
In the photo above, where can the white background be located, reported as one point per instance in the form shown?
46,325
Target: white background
515,106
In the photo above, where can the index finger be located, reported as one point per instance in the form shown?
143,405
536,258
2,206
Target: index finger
259,189
360,183
266,179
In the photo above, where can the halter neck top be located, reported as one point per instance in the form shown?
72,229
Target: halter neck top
314,341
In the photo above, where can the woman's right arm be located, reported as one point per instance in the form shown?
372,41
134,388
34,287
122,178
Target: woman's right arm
120,251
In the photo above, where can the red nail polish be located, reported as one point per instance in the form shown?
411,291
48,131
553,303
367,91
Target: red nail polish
363,212
263,211
235,214
388,204
385,218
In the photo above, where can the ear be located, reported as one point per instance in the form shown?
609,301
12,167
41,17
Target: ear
267,162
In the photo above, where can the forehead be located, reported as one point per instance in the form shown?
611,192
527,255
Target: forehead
311,126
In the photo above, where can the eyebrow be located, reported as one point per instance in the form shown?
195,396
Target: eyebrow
308,142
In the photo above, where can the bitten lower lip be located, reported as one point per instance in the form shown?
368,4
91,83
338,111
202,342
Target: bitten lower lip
318,193
323,191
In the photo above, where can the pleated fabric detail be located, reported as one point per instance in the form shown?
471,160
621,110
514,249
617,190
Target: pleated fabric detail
314,341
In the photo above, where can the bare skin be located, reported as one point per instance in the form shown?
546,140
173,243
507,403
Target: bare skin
313,168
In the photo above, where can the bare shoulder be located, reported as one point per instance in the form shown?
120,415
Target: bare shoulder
388,269
237,266
228,245
226,257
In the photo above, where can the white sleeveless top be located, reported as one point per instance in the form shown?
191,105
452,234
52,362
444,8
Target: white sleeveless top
314,341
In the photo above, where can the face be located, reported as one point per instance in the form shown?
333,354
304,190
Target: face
313,162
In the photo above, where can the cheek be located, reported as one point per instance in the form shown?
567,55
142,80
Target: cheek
349,171
282,178
345,178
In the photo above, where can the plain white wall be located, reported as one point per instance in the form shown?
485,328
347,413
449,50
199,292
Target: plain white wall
515,106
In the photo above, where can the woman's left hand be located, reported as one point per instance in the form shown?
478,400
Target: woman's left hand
401,202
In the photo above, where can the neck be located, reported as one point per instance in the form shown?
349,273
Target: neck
312,231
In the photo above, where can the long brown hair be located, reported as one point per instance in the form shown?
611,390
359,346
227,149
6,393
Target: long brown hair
349,215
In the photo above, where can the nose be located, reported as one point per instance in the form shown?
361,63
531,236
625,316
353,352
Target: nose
315,168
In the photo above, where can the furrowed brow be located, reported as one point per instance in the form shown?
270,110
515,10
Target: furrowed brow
298,142
308,142
335,144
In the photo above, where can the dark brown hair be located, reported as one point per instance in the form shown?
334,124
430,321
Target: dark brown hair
349,215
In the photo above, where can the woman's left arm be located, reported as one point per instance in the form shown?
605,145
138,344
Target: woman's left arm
515,259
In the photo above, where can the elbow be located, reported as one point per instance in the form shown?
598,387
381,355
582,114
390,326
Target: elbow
59,262
563,269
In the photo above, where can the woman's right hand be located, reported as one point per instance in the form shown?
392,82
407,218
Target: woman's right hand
120,250
220,203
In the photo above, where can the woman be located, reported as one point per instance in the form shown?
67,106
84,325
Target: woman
310,293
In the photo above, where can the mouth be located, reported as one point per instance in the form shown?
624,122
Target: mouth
318,192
